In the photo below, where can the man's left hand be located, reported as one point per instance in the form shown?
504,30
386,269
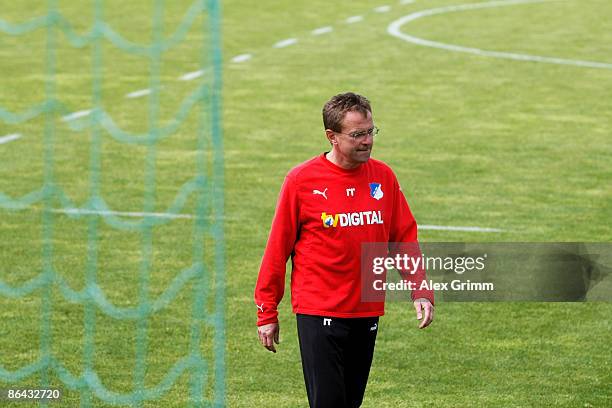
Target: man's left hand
422,304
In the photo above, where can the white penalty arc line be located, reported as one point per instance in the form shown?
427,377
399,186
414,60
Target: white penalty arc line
138,94
322,30
190,76
382,9
354,19
76,115
285,43
9,138
241,58
395,26
84,211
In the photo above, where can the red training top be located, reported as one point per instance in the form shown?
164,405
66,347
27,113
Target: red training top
323,215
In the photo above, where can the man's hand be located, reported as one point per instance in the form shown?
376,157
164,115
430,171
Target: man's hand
268,335
424,304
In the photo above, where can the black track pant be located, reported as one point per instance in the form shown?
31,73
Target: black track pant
336,358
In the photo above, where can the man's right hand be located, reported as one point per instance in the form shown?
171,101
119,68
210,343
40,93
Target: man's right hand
268,335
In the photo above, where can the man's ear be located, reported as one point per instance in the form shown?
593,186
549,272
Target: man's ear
331,136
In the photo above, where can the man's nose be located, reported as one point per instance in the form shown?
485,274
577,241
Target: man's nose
367,140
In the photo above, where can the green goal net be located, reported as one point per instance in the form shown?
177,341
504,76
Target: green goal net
111,202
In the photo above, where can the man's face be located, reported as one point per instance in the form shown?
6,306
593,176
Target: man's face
354,151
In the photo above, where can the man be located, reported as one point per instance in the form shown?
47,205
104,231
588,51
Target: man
328,207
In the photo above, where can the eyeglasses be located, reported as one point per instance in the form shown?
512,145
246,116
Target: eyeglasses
362,134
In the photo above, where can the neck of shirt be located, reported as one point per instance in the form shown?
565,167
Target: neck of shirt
337,168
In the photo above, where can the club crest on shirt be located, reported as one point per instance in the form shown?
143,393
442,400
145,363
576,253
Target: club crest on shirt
376,191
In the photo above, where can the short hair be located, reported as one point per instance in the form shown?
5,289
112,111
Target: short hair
335,109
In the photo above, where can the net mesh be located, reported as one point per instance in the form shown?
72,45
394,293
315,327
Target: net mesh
203,362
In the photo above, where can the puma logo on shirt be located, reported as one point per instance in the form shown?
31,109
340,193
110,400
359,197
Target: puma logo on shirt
323,193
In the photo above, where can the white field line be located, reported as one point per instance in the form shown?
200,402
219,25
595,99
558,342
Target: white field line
9,138
322,30
242,58
354,19
406,1
394,30
83,211
285,43
76,115
192,75
382,9
139,93
453,228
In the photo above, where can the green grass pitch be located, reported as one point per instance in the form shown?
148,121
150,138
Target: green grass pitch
516,145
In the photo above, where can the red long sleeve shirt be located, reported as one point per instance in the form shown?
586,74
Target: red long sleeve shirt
323,215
